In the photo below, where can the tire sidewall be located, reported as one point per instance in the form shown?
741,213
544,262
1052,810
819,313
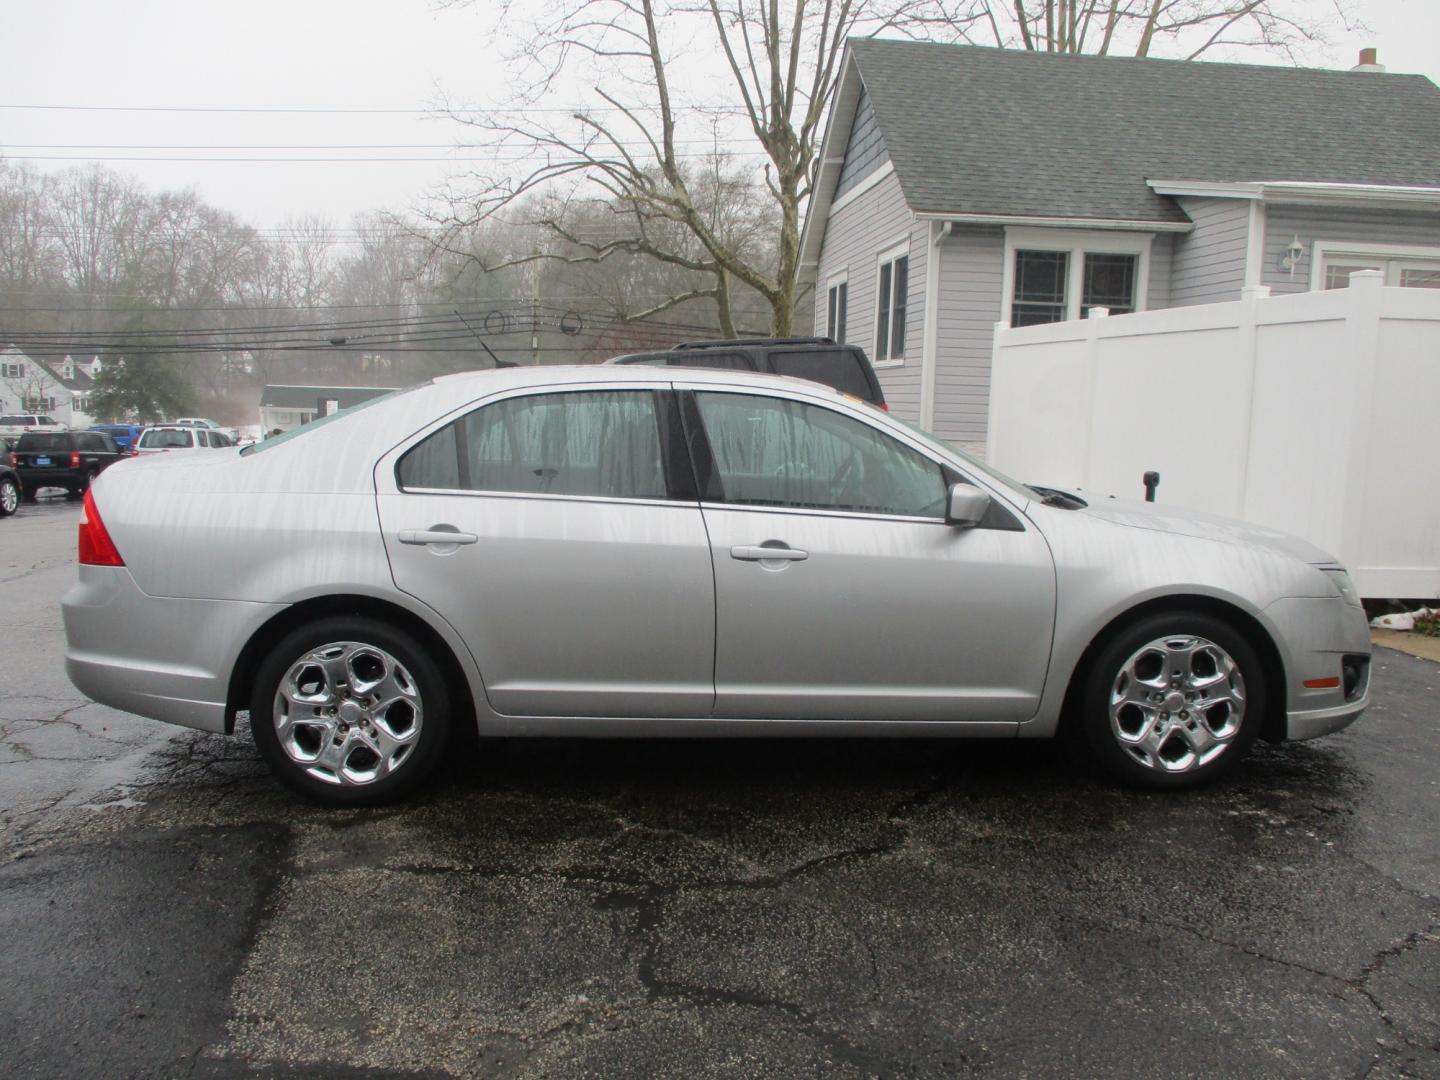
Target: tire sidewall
10,484
1095,718
434,698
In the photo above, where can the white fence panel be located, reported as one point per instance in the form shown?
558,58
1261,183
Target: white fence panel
1312,413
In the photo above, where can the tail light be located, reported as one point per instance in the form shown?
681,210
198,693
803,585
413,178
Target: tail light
74,459
96,547
885,407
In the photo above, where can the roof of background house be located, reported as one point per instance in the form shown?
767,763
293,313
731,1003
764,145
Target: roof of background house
975,130
306,397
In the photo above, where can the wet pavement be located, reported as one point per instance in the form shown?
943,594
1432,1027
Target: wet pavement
572,908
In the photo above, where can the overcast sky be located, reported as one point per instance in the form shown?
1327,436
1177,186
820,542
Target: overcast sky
323,55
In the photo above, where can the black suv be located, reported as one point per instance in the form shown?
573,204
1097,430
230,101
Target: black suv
63,459
819,359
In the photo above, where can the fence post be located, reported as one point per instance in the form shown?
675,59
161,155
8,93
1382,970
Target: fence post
1362,333
1092,378
1248,333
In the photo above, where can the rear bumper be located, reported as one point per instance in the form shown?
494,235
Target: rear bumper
166,658
32,477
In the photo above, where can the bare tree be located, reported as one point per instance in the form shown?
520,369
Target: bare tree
1184,29
628,147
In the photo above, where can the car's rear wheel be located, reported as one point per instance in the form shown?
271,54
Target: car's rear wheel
350,712
9,496
1174,700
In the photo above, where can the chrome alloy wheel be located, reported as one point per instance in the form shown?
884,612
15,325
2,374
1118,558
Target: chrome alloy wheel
1177,703
348,713
9,497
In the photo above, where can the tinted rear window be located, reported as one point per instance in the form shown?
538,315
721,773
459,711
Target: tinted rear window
17,419
710,358
839,368
154,439
43,441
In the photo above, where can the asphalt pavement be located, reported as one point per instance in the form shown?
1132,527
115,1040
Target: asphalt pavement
569,908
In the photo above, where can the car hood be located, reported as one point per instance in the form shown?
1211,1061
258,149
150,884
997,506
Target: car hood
1157,517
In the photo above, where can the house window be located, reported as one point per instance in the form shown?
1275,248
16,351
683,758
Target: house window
1056,274
1040,279
14,371
1403,267
1109,283
892,294
835,305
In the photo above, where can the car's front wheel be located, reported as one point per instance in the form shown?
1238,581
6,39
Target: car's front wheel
1174,700
9,496
350,711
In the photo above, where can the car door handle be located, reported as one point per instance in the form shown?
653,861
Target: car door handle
761,553
436,536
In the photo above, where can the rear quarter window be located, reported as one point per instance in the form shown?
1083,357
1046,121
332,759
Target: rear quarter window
839,368
707,358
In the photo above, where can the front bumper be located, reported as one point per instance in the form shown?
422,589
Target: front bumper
1315,636
167,658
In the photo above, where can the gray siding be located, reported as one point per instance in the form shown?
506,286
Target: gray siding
972,262
1343,226
1162,272
865,152
854,237
1209,263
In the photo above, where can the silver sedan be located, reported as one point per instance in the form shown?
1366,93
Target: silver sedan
620,551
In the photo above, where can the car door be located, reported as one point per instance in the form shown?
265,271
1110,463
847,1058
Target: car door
579,571
840,591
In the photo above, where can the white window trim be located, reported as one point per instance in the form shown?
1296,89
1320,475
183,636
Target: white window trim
1077,243
840,277
1327,249
888,254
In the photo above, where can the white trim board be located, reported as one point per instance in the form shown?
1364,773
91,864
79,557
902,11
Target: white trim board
1323,249
1106,224
867,184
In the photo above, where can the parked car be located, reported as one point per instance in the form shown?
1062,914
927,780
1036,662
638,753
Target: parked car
820,359
196,421
124,435
16,424
163,437
63,459
10,488
626,551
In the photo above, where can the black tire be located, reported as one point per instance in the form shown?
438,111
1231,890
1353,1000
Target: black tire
1151,743
323,781
86,479
31,493
10,496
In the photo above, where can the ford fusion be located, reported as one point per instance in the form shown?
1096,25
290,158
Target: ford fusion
630,551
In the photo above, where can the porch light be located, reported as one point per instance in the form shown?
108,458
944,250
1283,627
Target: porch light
1292,255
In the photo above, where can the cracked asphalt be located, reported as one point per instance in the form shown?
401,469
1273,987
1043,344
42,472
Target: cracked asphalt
702,909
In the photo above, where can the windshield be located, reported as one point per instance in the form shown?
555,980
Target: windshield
43,442
985,470
156,439
294,433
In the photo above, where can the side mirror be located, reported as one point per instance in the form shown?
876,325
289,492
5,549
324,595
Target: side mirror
965,506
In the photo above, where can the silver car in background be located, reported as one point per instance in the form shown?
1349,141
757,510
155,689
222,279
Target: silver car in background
631,551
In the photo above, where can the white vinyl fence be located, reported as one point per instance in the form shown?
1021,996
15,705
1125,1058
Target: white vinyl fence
1317,413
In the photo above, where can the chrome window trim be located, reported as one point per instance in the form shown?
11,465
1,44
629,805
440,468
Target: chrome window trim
806,511
546,496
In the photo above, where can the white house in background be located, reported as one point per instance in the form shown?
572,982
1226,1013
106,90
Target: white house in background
57,388
961,187
287,407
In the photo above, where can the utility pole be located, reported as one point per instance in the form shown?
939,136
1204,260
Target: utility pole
535,313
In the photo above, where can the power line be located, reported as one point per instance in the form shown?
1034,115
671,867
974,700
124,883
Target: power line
309,110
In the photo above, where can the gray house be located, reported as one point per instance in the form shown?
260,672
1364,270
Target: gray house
963,186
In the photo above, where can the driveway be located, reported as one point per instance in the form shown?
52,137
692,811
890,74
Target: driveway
740,908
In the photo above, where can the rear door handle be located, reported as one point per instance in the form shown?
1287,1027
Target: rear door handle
761,553
436,536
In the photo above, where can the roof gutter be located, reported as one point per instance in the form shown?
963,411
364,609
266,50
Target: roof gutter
1126,224
1306,192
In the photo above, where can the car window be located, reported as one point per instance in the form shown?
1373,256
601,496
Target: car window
202,438
16,419
710,358
839,368
776,452
109,445
219,439
603,443
88,442
166,439
39,440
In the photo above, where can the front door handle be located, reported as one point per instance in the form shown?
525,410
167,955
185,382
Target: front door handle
436,536
764,553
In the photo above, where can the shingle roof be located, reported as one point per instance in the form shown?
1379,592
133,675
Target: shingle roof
975,130
306,397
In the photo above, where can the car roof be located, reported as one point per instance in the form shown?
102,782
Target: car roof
492,379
